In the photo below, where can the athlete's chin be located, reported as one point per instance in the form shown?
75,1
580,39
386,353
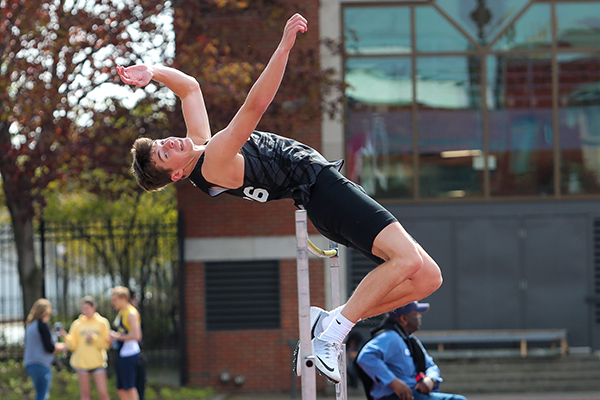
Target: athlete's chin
188,143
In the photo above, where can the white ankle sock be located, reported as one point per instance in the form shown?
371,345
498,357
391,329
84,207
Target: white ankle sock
337,330
332,314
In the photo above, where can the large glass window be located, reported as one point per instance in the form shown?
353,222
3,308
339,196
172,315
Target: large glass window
579,117
450,130
491,99
379,125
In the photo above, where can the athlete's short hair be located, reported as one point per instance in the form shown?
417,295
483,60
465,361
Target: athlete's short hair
148,175
121,292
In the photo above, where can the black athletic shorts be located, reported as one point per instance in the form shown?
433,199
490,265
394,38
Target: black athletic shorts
343,212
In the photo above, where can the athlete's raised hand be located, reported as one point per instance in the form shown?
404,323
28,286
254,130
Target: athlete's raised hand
138,75
223,162
297,23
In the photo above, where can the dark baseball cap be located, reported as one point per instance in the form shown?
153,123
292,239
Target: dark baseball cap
407,309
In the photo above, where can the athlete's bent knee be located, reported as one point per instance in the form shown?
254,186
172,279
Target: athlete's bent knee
432,279
436,282
414,265
408,264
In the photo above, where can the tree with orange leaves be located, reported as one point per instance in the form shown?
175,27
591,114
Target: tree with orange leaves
53,55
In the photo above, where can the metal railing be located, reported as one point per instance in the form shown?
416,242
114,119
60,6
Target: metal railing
90,259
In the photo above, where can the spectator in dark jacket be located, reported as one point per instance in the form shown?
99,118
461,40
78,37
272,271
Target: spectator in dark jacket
396,362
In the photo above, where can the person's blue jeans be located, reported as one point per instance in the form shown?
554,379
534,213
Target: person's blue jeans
430,396
437,396
41,376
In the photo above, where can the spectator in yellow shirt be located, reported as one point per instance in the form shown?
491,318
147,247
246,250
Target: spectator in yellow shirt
88,339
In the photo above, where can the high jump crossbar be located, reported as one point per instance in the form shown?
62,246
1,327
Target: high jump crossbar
303,247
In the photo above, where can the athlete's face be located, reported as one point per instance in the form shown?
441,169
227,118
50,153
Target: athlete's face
173,154
117,302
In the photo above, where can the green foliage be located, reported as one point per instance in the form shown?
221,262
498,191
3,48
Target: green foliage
84,206
4,216
122,237
157,331
16,385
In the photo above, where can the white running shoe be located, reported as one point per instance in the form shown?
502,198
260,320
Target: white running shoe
327,356
316,317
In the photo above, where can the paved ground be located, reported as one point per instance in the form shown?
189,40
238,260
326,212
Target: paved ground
538,396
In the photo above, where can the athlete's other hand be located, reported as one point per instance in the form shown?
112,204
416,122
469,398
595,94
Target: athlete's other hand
138,75
297,23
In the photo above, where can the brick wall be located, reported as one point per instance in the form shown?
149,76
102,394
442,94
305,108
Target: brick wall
263,357
232,216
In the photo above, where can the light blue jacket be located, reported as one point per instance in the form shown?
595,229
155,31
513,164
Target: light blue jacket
386,356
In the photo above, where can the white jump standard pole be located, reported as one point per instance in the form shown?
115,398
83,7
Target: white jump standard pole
309,382
307,368
341,389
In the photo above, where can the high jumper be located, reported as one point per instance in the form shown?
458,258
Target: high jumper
260,166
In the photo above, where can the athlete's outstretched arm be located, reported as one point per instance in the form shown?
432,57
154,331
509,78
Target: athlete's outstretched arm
184,86
224,146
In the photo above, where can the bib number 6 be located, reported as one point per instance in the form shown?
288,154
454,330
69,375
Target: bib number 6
260,195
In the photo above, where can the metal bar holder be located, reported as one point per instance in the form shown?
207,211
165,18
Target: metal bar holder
303,246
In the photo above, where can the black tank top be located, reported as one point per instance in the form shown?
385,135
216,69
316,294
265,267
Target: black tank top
275,168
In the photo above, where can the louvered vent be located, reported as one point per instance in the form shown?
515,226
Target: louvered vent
242,295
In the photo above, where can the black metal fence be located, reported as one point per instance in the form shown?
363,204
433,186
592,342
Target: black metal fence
90,259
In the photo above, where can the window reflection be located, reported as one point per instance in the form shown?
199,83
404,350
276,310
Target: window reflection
379,125
483,20
520,125
531,31
579,119
435,33
578,25
377,30
450,129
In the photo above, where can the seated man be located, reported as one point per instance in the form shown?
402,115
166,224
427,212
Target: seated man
394,365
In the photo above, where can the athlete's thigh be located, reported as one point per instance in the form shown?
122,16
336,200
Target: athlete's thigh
393,241
341,208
